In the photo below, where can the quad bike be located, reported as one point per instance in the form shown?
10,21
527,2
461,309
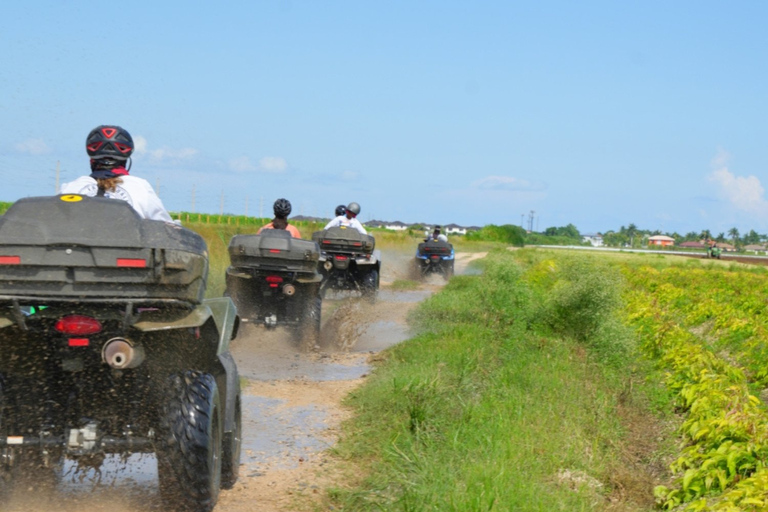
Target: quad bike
434,256
348,261
714,252
108,347
273,280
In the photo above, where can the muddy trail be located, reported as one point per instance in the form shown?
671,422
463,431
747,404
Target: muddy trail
292,408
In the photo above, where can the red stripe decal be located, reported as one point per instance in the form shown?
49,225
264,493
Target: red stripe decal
10,260
78,342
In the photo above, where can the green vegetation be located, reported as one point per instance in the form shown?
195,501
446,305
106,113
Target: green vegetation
509,399
508,234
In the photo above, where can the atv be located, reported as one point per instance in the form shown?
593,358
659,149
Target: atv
348,261
714,251
434,256
107,346
273,280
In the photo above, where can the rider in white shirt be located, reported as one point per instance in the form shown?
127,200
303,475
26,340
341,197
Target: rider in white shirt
348,219
110,147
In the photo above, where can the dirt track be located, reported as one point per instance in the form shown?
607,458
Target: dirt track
292,409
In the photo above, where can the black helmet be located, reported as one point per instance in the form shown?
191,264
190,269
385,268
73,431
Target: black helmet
341,210
354,208
107,142
282,208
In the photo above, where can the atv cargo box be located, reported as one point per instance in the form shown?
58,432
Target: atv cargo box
435,247
274,250
86,248
341,239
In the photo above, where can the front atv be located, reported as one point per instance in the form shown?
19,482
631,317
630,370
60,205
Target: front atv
348,261
108,347
273,280
434,257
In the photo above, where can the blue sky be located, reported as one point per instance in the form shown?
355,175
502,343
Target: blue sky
594,113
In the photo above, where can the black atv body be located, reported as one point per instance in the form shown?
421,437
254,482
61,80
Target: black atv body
107,346
348,261
434,257
274,281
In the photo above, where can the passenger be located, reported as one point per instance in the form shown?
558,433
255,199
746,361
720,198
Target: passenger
341,210
282,209
110,147
348,219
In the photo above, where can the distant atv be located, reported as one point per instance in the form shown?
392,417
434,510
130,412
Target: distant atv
714,251
108,347
348,261
434,257
274,281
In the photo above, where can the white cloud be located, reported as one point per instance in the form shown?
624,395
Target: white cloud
163,154
33,147
241,164
745,193
139,145
507,183
273,164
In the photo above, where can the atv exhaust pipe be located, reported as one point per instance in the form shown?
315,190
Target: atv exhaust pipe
289,290
328,265
122,354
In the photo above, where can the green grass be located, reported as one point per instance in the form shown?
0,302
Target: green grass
403,284
498,404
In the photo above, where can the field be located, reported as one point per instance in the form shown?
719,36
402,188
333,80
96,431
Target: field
558,381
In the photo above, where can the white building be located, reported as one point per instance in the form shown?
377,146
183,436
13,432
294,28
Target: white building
596,239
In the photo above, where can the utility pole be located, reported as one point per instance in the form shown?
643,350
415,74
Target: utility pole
221,203
530,220
193,199
58,171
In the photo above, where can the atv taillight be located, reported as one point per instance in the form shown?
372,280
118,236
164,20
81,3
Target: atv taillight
357,244
78,325
10,260
79,342
275,251
341,257
132,262
327,242
274,281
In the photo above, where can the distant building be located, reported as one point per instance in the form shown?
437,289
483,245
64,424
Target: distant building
661,241
454,229
396,226
755,248
595,239
692,245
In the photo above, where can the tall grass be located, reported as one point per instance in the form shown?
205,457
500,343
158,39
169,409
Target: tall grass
496,405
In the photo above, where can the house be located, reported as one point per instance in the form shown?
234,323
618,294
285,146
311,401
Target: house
755,248
661,241
454,229
594,239
395,226
726,247
692,245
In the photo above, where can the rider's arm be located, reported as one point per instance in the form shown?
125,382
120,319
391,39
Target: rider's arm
356,224
293,230
333,223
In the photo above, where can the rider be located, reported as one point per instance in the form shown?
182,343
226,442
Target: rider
348,219
110,147
436,235
282,209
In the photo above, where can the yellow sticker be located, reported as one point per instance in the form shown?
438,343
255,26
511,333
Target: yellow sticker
71,198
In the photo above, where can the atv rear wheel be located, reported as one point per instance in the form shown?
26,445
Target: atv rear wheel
370,285
308,330
189,457
230,466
